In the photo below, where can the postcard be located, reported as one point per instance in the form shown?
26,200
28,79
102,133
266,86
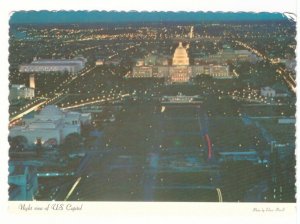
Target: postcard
152,112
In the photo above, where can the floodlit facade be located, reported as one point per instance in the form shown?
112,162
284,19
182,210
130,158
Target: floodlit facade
180,56
20,92
219,71
31,81
180,71
180,98
143,71
99,62
227,54
50,125
179,74
267,92
54,65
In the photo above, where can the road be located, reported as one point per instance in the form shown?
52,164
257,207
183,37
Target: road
290,81
20,115
150,177
59,96
256,192
266,135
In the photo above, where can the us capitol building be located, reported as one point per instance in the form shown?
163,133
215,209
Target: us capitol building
180,70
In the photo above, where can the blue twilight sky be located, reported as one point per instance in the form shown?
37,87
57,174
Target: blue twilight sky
118,17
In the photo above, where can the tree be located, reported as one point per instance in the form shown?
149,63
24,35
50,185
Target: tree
18,143
203,77
38,147
72,142
86,129
237,177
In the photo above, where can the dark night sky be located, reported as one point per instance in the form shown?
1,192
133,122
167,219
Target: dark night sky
118,17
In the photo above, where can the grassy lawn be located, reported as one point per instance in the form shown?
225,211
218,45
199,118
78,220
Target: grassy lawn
268,110
230,132
134,129
283,133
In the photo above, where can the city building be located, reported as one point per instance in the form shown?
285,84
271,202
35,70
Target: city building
219,71
20,92
114,62
22,180
180,71
227,54
251,156
180,99
140,62
142,71
54,65
179,74
51,125
100,61
287,120
289,63
267,92
31,81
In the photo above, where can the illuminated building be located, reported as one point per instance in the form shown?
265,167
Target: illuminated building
180,56
22,180
50,124
219,71
180,99
140,62
225,55
112,62
31,81
99,62
214,71
55,65
180,71
179,74
191,33
20,92
267,92
142,71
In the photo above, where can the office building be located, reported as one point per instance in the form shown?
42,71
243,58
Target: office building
54,65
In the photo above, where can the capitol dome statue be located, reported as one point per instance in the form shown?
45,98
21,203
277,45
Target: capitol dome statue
180,56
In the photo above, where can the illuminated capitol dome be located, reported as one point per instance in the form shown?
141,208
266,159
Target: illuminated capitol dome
180,56
156,66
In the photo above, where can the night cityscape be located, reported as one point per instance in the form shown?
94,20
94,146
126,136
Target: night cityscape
145,106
